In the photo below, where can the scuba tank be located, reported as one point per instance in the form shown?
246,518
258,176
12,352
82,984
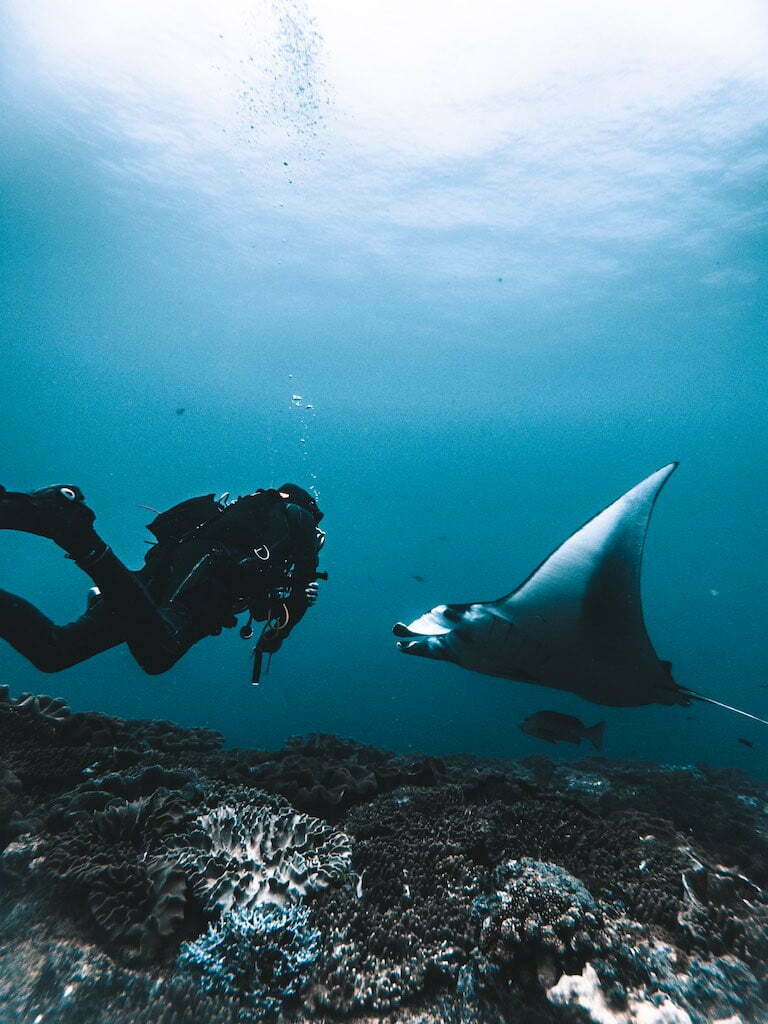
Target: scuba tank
178,522
195,565
256,516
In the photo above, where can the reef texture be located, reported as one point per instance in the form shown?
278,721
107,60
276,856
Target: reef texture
148,875
240,857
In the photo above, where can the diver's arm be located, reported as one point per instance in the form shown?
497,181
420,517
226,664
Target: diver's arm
301,595
293,610
304,544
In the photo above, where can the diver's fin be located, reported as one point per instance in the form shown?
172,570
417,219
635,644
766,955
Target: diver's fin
595,735
719,704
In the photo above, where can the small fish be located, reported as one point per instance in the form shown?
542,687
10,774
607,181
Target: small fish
180,410
554,727
747,743
419,579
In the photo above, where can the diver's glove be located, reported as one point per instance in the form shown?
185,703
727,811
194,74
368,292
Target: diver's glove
312,591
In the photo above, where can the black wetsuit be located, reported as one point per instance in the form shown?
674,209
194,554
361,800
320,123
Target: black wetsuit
185,591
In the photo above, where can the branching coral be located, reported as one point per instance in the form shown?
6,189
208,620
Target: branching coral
406,926
262,958
540,917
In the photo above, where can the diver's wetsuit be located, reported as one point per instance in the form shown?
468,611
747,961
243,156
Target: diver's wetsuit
184,591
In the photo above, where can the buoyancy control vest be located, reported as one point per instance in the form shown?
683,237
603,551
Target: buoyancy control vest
200,544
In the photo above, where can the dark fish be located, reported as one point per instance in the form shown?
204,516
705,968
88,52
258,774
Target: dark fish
180,410
419,579
747,743
554,727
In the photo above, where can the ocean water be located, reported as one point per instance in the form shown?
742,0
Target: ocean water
513,254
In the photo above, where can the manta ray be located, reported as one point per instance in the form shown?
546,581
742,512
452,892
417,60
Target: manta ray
575,624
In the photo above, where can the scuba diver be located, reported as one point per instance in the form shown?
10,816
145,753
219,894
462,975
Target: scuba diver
211,560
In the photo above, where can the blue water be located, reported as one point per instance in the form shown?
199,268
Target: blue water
516,259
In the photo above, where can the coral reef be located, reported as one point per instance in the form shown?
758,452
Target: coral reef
262,958
324,775
52,710
105,865
242,856
146,874
540,916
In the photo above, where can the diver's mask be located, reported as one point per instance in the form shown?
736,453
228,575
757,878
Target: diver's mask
319,538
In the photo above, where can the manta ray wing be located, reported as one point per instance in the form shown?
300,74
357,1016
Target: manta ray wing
581,609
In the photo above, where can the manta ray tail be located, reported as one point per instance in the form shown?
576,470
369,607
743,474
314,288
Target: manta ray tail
728,707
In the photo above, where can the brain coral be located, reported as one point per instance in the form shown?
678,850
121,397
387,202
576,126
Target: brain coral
241,856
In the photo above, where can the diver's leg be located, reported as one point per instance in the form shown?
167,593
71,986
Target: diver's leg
156,638
153,652
52,648
60,513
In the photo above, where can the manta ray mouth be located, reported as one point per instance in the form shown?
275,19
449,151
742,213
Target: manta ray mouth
425,643
426,646
429,624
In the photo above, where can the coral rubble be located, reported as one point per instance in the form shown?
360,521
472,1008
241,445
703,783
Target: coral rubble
147,874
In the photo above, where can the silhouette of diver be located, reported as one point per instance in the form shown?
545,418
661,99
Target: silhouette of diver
211,561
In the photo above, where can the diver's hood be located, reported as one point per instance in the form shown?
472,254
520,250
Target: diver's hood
299,496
